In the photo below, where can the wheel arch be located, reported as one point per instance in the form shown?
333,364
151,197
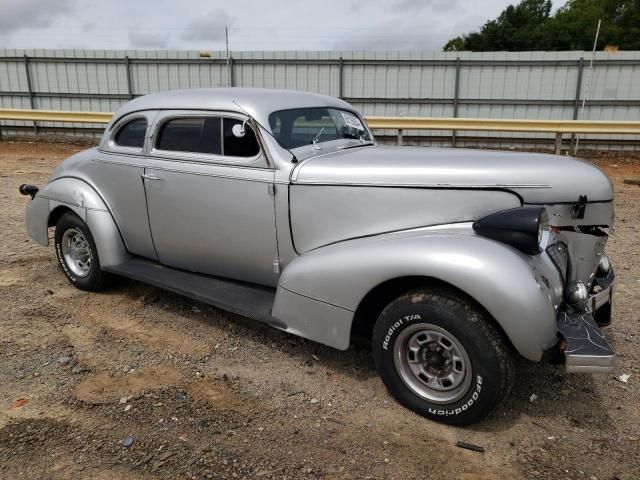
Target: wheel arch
71,194
56,213
380,296
358,275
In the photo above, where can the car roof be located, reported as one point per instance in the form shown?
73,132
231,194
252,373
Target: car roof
259,102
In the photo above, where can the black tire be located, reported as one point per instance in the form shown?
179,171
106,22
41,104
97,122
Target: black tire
95,279
490,363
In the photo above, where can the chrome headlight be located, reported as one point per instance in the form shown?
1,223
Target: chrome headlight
577,295
525,228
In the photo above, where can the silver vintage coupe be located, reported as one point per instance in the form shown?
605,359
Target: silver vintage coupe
280,206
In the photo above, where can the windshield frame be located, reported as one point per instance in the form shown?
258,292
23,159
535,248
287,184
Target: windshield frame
321,145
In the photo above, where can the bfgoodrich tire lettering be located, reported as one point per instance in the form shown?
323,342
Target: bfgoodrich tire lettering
84,272
457,367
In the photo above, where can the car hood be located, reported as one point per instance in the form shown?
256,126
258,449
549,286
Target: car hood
536,178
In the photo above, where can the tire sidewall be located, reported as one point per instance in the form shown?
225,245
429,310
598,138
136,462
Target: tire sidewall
91,281
484,390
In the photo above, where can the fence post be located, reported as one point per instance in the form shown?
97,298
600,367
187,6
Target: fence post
576,102
30,89
129,83
340,76
399,137
232,73
456,93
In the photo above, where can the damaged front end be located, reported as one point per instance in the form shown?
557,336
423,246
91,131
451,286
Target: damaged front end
578,235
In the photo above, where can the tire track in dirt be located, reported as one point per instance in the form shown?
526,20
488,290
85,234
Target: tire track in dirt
122,323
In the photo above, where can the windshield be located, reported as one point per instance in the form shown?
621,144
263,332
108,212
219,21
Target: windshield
307,126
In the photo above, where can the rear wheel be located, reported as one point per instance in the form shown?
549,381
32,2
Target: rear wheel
440,356
77,253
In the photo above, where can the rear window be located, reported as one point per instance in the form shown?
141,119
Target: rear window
132,133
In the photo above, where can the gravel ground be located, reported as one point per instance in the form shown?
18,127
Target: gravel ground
196,392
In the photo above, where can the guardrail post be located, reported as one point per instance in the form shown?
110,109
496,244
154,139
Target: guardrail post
127,63
558,143
456,93
576,102
340,76
30,90
399,137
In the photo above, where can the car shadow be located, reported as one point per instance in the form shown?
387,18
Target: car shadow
543,393
540,390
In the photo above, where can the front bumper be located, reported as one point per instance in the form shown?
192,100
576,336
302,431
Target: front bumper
584,346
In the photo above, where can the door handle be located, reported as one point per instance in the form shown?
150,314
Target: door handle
146,176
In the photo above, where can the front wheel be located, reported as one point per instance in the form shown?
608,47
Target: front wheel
439,356
77,253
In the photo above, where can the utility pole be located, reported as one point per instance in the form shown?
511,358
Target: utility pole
588,89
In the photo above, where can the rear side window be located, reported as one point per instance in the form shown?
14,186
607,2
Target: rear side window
197,135
246,146
132,133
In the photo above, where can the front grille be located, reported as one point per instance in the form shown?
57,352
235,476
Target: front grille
559,253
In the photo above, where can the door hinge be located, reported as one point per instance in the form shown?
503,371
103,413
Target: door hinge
271,188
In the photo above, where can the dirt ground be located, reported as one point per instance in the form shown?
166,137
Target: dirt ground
202,393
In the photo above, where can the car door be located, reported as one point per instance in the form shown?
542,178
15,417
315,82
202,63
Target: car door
116,171
209,196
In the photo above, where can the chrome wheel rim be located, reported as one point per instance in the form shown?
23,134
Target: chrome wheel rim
432,363
76,252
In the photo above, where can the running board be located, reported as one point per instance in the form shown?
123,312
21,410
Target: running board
246,299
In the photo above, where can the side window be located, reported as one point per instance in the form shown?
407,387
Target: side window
197,135
132,133
246,146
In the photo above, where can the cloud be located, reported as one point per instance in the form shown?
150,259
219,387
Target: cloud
400,42
22,14
394,33
404,6
148,40
208,27
255,24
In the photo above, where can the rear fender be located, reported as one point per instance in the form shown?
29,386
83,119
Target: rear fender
78,196
507,283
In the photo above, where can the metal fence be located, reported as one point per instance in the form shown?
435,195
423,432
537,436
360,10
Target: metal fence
525,85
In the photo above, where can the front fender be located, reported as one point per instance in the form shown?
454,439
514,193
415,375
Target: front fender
506,282
78,196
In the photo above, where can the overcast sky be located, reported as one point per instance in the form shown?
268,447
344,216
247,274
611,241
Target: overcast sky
253,24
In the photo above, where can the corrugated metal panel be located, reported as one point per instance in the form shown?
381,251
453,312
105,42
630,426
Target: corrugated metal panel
535,85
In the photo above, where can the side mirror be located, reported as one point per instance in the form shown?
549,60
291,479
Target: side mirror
239,130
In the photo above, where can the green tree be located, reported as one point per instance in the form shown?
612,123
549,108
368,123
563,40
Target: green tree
517,28
529,25
574,25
